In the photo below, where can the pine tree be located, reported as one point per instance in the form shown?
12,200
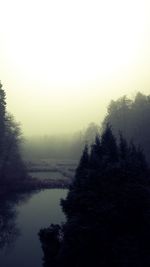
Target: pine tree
73,201
107,209
2,111
109,145
2,124
12,167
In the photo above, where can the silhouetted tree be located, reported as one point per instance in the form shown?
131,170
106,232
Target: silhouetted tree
77,188
50,244
2,122
107,208
11,165
109,145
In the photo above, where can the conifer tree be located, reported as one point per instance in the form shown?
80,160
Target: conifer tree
2,123
77,189
108,216
12,167
109,145
131,117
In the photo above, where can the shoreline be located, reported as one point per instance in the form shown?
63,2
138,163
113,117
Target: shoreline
34,184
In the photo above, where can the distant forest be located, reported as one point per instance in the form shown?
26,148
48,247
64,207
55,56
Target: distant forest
129,116
59,146
132,118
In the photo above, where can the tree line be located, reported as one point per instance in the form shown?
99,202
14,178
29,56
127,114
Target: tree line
129,116
59,146
12,168
132,117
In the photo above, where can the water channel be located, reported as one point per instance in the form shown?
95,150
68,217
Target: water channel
38,211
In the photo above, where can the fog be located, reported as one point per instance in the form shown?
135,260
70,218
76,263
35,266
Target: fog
62,62
63,146
42,114
75,114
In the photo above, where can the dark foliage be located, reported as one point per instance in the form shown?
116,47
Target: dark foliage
50,239
12,168
131,117
107,209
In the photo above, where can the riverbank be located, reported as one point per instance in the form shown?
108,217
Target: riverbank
31,185
50,173
42,174
35,183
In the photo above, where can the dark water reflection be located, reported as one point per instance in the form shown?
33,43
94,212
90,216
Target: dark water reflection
8,229
20,221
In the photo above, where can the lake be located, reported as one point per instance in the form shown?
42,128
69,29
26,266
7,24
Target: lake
38,211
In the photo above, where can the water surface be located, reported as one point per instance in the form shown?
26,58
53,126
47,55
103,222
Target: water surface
38,212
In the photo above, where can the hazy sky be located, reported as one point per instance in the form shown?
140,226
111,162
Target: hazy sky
62,61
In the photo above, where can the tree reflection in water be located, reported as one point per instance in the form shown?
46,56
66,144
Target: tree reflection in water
9,231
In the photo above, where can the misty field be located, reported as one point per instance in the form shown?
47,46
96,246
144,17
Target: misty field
51,171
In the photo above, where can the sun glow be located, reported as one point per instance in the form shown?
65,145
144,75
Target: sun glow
69,48
66,42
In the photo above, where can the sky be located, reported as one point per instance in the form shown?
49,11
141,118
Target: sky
62,61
